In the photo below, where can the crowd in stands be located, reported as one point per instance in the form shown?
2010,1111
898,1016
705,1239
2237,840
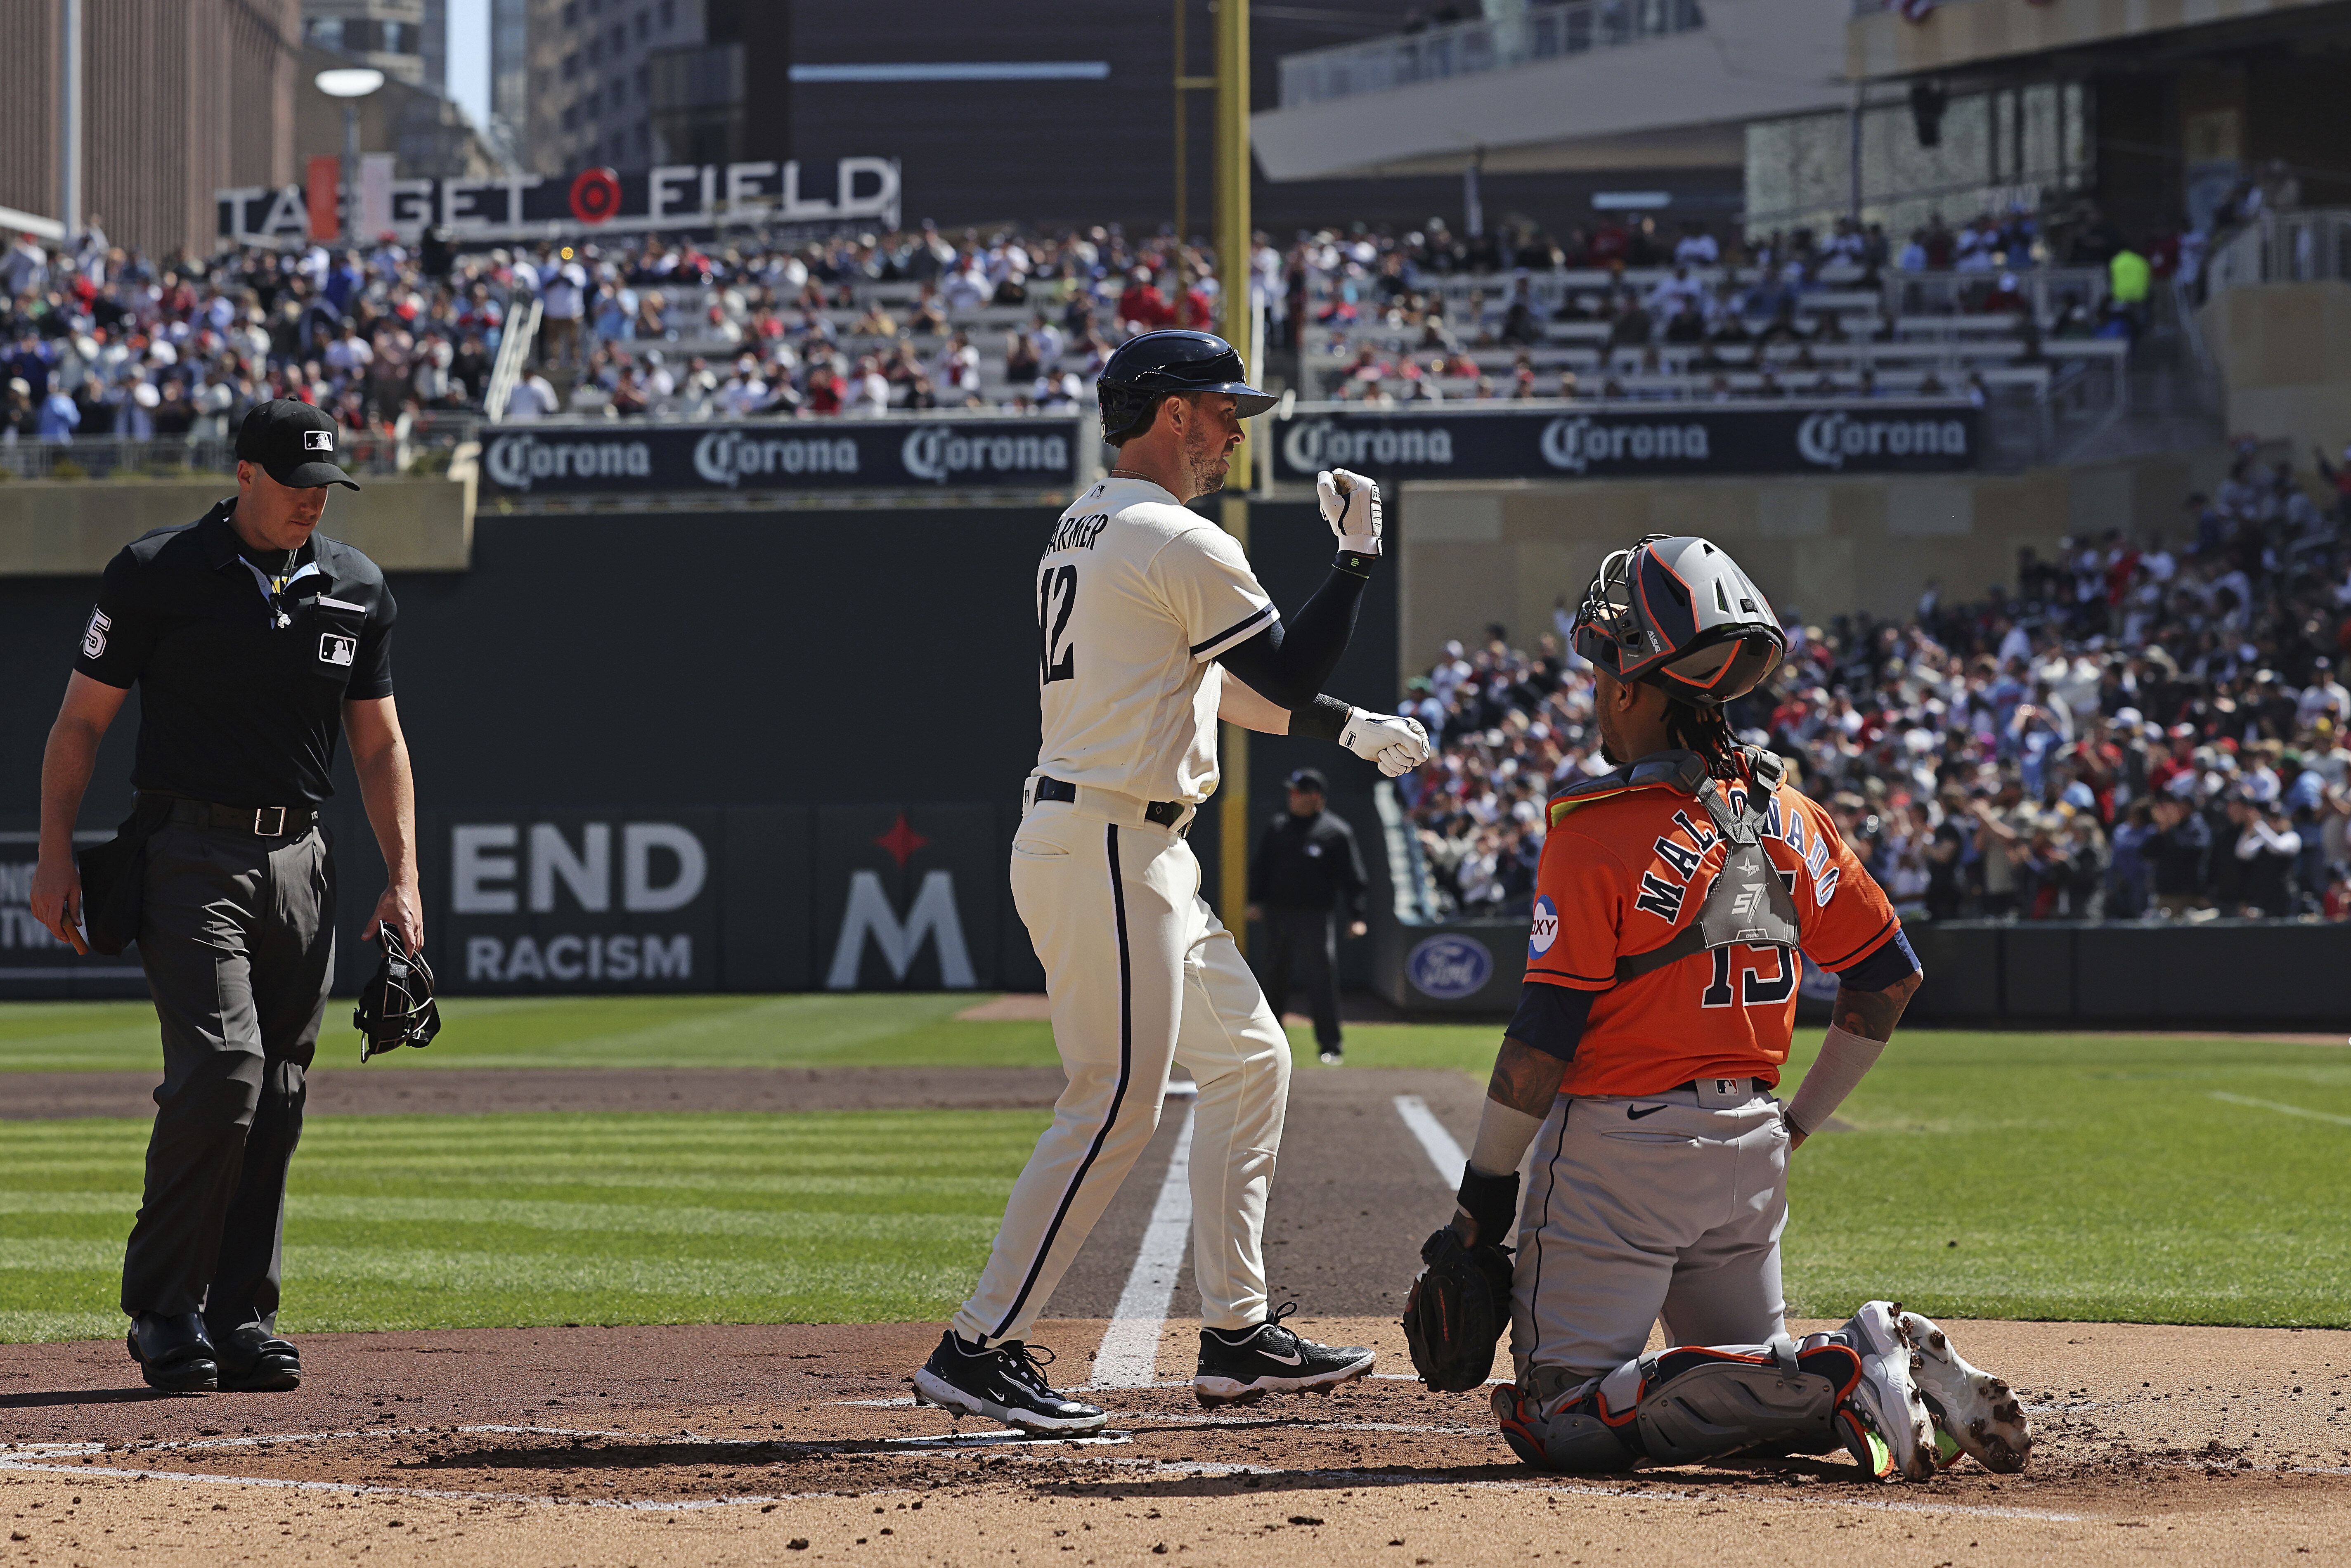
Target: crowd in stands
102,341
2129,731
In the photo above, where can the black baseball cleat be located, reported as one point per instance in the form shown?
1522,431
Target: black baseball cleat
254,1361
1242,1367
173,1353
1006,1384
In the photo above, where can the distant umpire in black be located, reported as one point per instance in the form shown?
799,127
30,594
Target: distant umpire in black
1306,866
252,638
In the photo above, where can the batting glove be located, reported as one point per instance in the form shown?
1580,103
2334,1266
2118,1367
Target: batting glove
1397,744
1350,505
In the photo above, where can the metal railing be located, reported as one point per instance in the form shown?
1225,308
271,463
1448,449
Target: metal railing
513,360
2284,247
1468,48
417,443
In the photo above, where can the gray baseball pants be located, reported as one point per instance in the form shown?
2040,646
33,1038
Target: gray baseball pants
1664,1208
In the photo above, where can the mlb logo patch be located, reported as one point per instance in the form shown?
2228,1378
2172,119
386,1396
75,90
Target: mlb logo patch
318,440
93,638
336,649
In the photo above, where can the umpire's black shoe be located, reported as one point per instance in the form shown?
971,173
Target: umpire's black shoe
173,1353
1006,1384
1241,1367
254,1361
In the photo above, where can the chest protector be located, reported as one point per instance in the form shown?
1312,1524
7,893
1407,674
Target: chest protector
1748,904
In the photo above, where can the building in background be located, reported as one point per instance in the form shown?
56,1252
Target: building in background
181,97
630,84
427,131
386,34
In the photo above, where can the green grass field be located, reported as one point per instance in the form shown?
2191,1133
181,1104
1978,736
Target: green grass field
2081,1176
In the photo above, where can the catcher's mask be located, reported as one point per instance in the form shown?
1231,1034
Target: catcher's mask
1678,614
396,1006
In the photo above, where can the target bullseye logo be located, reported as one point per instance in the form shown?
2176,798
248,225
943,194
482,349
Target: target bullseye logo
596,195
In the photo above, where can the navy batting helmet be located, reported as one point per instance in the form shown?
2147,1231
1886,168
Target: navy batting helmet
1149,366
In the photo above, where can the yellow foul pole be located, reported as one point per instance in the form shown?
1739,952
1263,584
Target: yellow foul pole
1233,309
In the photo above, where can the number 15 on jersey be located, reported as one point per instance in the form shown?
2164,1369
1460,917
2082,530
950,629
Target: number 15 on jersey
1057,596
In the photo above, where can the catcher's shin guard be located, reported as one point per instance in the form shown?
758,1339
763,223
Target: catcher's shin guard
1685,1405
1700,1404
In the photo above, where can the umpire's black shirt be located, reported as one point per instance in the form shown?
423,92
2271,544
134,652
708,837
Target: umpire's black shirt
1302,863
235,708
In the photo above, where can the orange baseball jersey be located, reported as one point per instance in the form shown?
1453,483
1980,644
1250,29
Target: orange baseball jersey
1621,874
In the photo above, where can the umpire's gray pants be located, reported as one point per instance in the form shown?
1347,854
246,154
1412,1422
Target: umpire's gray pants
237,934
1656,1209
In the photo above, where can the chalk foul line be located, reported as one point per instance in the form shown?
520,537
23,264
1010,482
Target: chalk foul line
2283,1110
1129,1355
1435,1141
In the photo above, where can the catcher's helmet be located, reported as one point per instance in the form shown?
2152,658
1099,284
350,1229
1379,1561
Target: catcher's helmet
1678,614
1150,365
396,1006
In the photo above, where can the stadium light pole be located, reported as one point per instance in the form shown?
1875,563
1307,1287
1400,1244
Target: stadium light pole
69,195
350,83
1233,319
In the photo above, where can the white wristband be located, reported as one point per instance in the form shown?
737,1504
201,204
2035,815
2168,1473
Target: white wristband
1503,1133
1844,1057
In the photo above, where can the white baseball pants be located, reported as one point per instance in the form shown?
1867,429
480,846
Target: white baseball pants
1140,974
1664,1208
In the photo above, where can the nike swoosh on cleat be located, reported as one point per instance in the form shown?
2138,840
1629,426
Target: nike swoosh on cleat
1294,1358
1635,1113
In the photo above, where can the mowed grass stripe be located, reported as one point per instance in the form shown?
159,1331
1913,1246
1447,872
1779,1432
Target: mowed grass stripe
522,1219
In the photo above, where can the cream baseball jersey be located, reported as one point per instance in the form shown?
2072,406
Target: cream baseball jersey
1135,596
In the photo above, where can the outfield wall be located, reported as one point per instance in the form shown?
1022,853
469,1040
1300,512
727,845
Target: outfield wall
2215,975
772,687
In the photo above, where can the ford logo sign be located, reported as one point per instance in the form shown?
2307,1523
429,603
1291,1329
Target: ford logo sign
1449,967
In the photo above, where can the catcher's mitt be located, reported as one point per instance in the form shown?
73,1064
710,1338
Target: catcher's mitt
396,1006
1456,1311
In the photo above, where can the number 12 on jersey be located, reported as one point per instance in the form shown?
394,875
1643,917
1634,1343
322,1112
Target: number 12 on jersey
1057,596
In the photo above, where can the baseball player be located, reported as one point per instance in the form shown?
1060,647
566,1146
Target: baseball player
1673,897
1150,627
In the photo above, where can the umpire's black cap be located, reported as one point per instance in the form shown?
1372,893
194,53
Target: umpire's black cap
1311,778
1150,365
294,443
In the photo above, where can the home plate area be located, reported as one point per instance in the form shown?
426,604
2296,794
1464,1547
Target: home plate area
758,1444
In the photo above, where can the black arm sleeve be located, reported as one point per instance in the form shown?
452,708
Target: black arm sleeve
1891,962
1551,1018
1287,665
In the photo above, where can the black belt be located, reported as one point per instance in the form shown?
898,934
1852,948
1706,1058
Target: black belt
1166,814
261,822
1760,1085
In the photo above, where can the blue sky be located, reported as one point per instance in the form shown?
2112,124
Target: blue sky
469,57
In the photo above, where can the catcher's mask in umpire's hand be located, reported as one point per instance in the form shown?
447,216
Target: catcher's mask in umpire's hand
396,1007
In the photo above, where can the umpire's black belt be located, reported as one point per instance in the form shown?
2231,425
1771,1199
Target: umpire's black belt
261,822
1164,813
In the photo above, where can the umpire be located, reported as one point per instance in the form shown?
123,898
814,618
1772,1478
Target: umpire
252,639
1306,865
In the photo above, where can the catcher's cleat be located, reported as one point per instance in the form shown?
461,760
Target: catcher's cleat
1004,1383
1886,1400
1241,1367
1974,1412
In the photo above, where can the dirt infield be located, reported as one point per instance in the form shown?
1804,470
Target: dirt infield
728,1445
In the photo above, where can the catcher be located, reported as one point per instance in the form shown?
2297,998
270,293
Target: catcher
1673,896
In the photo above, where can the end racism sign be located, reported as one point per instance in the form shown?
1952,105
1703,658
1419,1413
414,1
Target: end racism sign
545,206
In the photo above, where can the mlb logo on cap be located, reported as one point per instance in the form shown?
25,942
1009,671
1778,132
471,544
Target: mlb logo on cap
294,443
